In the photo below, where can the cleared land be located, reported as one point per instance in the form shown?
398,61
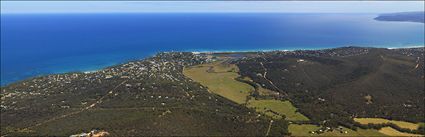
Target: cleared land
402,124
392,132
277,108
304,129
220,79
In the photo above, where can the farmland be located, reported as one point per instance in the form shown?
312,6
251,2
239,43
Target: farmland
277,108
220,77
402,124
392,132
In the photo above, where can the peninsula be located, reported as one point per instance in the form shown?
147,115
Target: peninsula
355,91
403,16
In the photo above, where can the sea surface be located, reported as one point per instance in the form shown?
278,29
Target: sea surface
40,44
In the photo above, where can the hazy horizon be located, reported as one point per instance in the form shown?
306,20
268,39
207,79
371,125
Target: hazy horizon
25,7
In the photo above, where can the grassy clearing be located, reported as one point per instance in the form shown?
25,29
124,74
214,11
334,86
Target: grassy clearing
276,108
393,132
262,91
402,124
220,79
304,129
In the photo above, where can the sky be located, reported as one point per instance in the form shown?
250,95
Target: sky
24,7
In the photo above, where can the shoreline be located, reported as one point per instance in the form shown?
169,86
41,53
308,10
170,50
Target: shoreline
419,46
295,49
206,52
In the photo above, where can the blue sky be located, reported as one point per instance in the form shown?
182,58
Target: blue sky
209,6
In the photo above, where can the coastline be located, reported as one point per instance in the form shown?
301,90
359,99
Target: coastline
297,49
94,51
419,46
201,52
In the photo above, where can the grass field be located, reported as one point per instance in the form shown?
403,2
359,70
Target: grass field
220,79
304,129
265,92
402,124
392,132
281,107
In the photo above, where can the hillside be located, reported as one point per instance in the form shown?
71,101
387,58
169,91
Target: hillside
335,85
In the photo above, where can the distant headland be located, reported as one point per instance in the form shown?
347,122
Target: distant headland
418,16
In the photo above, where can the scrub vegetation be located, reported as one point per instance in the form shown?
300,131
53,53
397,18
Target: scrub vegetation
307,129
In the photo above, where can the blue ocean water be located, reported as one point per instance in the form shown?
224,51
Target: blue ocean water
39,44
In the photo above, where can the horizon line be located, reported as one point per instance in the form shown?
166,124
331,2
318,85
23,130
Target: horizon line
210,6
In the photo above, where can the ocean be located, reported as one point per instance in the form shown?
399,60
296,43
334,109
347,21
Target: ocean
39,44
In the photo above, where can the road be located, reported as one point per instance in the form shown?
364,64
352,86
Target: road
270,126
271,83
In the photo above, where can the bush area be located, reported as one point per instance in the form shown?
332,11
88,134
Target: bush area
332,87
